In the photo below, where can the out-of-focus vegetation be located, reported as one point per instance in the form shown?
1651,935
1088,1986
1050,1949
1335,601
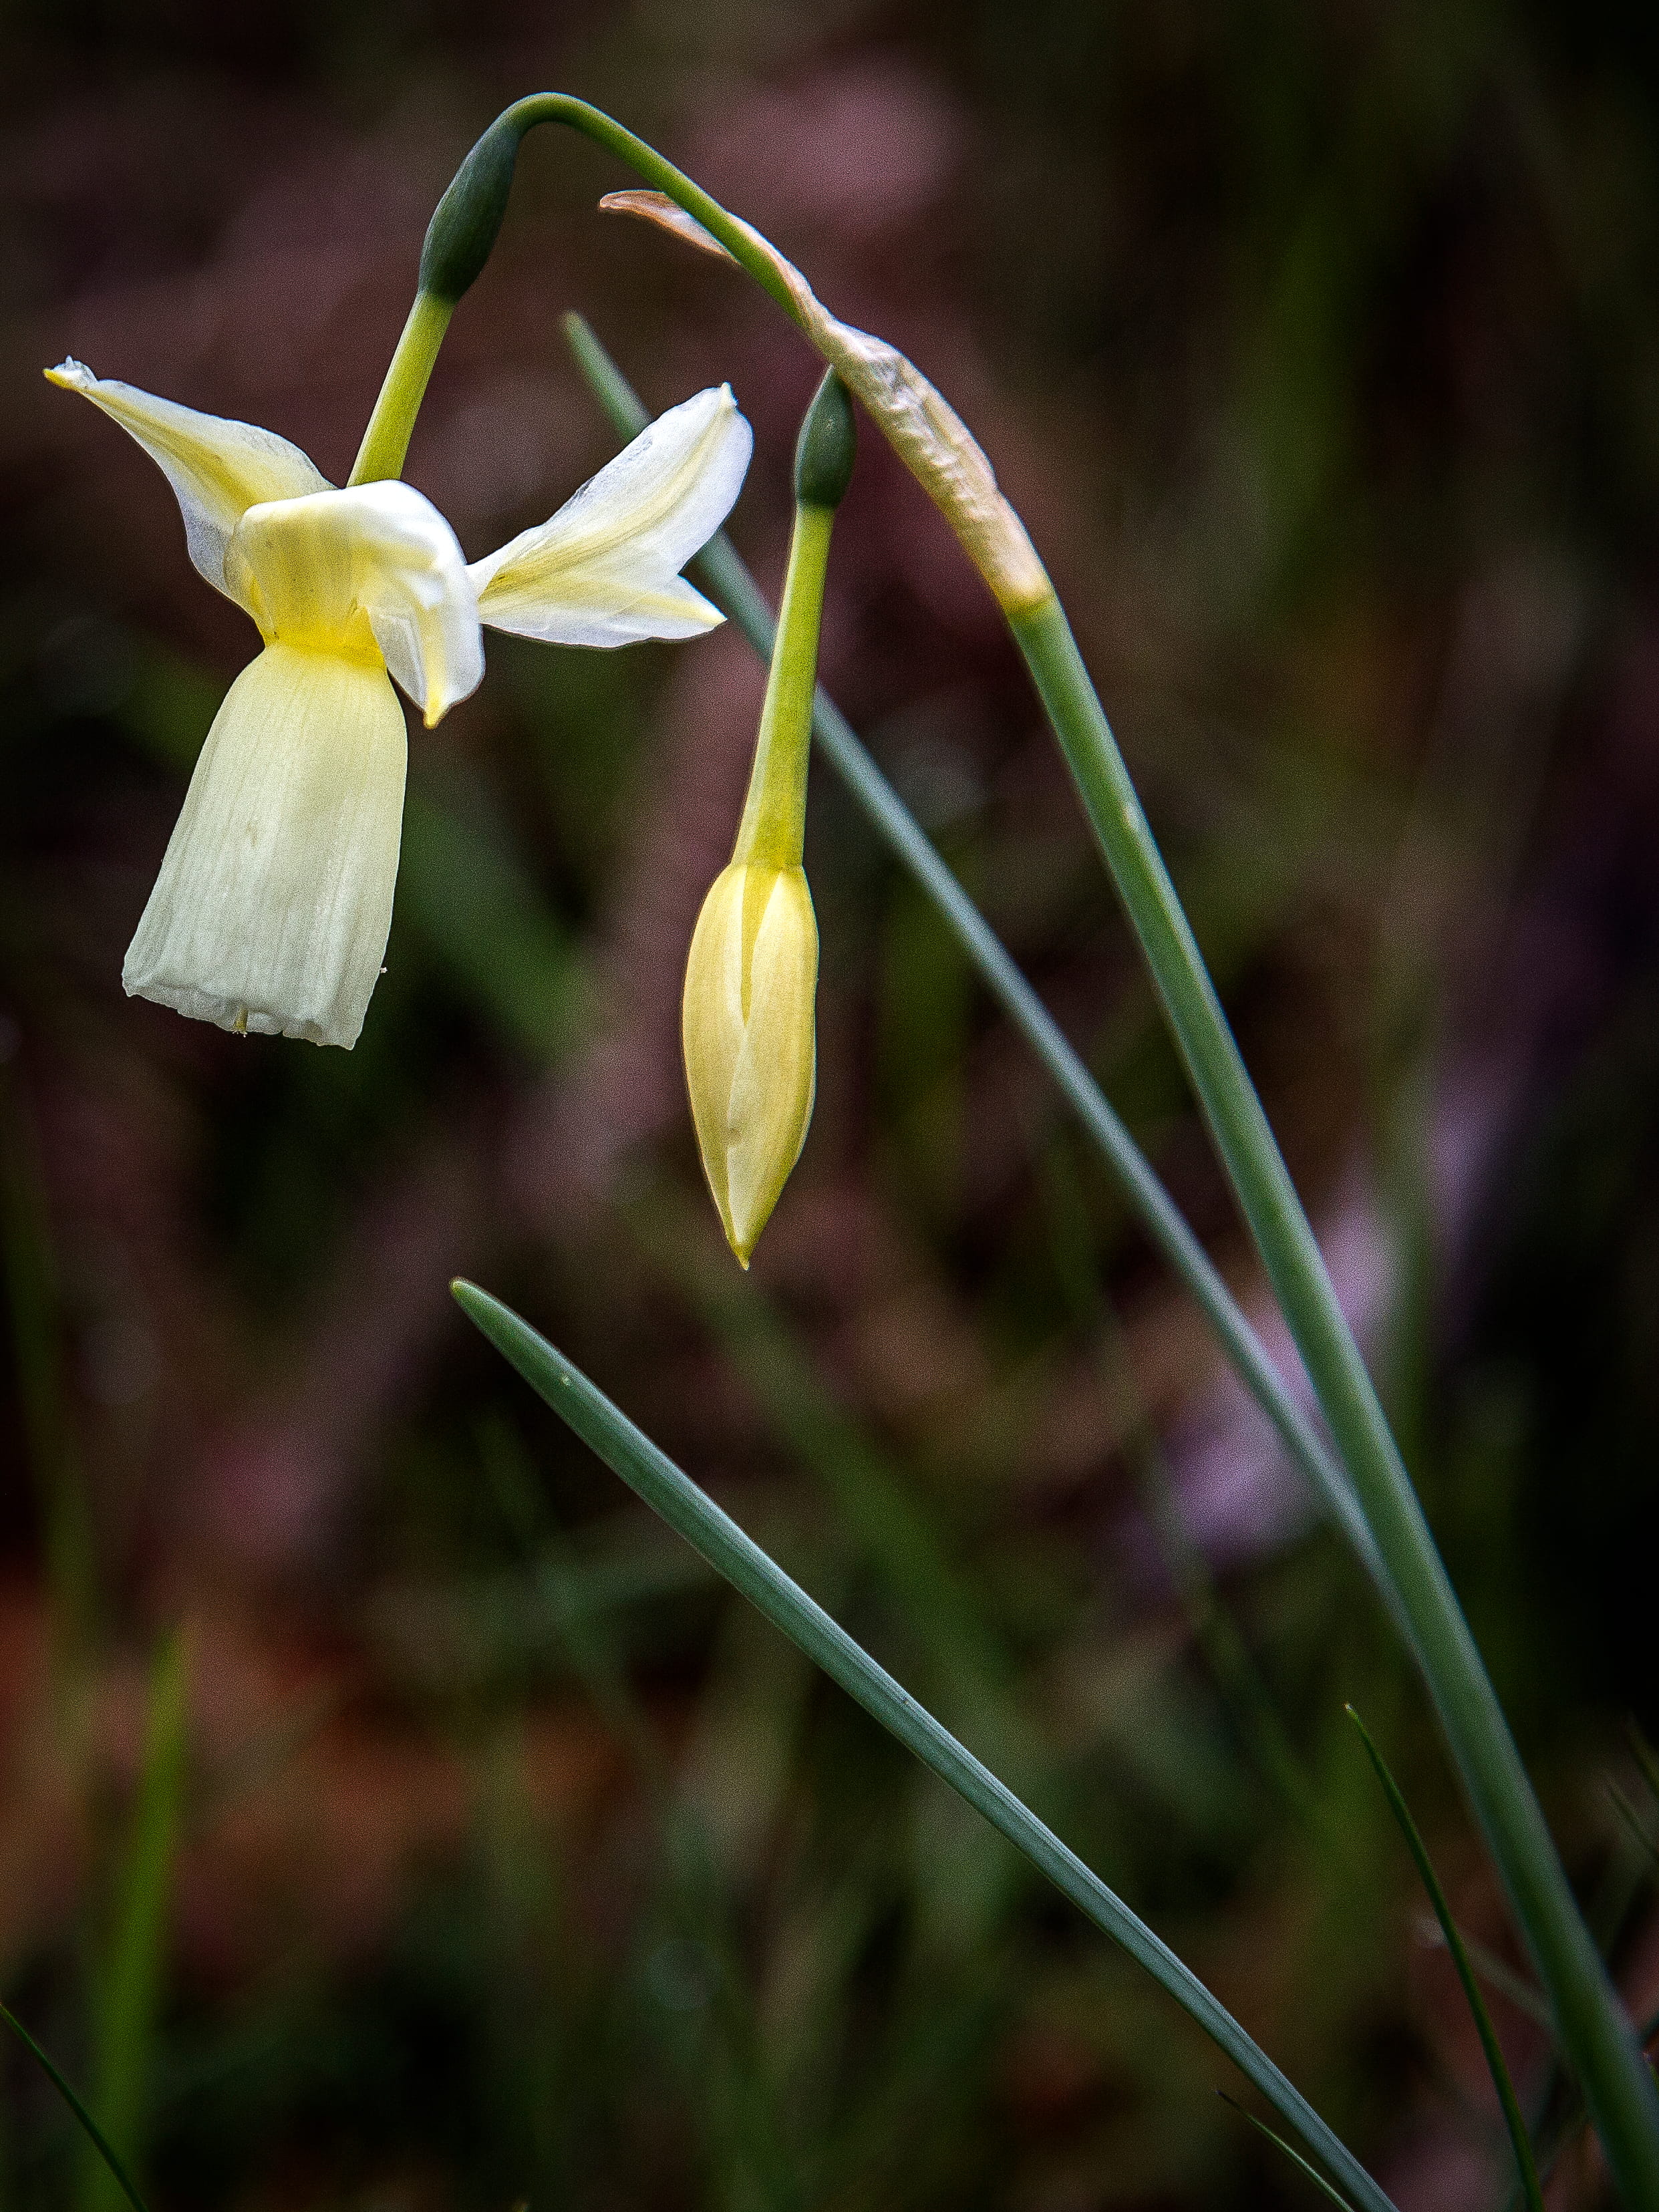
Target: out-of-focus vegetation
394,1816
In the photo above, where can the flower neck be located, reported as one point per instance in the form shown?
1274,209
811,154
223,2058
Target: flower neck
386,441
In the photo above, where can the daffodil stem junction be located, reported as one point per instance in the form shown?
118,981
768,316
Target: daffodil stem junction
466,220
1597,2037
386,441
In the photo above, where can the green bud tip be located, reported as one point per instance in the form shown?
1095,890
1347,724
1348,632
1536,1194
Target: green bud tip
466,220
825,451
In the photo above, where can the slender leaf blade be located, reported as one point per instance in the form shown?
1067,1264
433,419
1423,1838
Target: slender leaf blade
1520,2141
1289,2149
670,1493
721,570
131,1981
94,2133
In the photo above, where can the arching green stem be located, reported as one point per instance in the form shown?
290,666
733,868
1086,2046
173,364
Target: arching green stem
463,228
1622,2095
1595,2032
386,441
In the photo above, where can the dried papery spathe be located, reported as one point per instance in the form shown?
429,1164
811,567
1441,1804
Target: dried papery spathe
917,421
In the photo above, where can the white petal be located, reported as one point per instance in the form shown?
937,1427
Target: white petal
380,558
218,469
604,569
271,910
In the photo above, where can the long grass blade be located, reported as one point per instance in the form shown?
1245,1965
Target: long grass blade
1289,2149
95,2134
1520,2140
654,1477
1555,2139
1623,2094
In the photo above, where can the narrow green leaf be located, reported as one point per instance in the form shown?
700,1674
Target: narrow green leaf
94,2133
129,1981
654,1477
1519,2139
1567,2124
1289,2149
1402,1556
1498,1974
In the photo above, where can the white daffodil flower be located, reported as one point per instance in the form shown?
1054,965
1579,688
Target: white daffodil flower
271,910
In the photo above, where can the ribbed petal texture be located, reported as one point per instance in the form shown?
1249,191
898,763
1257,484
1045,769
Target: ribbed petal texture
271,910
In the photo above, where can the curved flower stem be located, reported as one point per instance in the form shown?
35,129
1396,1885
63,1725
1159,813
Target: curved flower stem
688,1510
719,567
464,230
464,227
1597,2037
1620,2091
1396,1545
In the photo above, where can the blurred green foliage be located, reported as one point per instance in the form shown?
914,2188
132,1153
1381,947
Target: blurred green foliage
508,1858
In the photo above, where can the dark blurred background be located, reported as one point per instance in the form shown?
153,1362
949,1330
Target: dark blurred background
394,1815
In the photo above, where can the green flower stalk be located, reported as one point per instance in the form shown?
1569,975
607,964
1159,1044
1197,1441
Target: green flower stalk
933,442
752,972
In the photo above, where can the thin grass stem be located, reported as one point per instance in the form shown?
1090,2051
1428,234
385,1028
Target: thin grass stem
1623,2096
128,1996
1520,2141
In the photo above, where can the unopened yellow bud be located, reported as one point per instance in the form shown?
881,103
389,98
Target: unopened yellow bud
751,1058
752,974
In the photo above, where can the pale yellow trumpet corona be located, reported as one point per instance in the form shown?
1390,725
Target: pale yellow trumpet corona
274,899
748,1029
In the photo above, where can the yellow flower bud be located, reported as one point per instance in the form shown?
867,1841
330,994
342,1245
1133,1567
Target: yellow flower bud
752,974
751,1058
